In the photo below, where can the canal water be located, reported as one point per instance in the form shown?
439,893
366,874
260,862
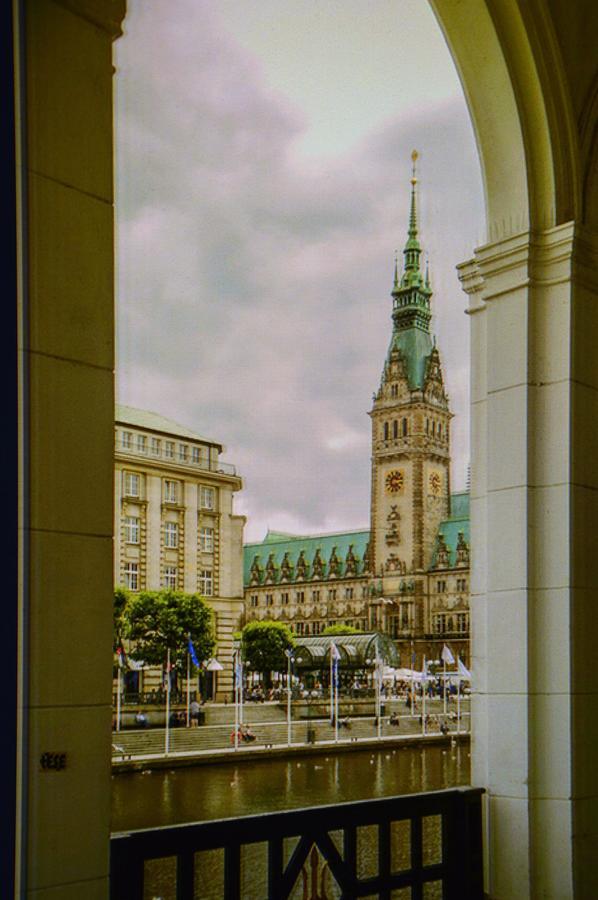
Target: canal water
197,793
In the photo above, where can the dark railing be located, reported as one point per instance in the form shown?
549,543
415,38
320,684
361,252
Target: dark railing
431,843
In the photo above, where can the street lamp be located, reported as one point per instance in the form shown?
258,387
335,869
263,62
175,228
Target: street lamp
376,663
290,660
289,656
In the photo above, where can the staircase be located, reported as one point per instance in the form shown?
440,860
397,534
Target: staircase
217,738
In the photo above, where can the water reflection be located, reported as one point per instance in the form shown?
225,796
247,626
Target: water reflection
222,791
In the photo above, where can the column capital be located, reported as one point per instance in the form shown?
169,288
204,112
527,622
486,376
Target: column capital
106,14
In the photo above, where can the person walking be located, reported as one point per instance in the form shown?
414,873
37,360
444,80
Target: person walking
194,713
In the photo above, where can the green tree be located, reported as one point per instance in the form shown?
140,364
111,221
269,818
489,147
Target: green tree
341,629
121,598
158,621
263,646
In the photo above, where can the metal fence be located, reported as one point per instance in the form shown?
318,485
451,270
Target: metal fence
429,844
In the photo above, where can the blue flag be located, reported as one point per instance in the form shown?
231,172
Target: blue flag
192,653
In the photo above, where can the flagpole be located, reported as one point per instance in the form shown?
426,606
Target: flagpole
377,691
167,735
240,689
459,706
188,685
424,680
236,692
289,735
444,680
336,701
118,697
332,705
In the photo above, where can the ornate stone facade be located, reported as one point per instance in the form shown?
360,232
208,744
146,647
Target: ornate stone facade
174,522
408,576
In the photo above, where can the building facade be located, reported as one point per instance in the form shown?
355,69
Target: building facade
408,575
174,524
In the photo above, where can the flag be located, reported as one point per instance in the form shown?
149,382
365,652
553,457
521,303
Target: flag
238,671
446,655
167,675
192,653
335,656
122,657
462,669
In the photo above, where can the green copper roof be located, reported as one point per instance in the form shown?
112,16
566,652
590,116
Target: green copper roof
415,346
460,505
277,546
143,418
449,532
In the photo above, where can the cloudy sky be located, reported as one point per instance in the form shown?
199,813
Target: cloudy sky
262,184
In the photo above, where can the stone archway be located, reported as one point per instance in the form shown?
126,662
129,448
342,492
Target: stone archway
533,299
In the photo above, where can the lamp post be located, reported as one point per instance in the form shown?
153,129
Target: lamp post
289,656
375,662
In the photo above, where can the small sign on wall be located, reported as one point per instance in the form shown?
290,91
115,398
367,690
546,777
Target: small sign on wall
52,761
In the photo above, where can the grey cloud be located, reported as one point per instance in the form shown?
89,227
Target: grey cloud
254,287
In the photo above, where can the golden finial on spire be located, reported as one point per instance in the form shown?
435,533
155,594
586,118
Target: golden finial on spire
414,156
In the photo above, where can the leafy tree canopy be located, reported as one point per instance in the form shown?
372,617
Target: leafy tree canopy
341,629
263,645
158,621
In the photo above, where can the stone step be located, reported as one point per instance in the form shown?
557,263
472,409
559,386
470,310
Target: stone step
219,737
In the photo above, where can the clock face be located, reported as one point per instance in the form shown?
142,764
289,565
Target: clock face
435,482
394,481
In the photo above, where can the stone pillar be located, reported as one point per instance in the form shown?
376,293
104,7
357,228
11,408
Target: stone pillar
66,357
534,506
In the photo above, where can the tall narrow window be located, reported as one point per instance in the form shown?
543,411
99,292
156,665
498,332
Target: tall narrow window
206,582
206,497
386,431
141,443
169,449
206,539
132,576
170,574
171,491
127,438
404,427
132,529
183,452
132,484
171,534
395,429
155,446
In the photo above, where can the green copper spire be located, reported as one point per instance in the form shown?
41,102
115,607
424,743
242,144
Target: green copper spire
412,251
411,294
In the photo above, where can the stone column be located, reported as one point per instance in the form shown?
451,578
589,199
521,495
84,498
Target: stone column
533,507
66,357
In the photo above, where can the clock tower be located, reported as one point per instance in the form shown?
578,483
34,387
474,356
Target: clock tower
410,431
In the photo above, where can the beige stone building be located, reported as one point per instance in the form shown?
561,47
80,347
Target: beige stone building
174,523
408,575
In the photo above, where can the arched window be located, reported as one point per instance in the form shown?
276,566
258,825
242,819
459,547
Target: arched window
395,429
386,431
404,427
